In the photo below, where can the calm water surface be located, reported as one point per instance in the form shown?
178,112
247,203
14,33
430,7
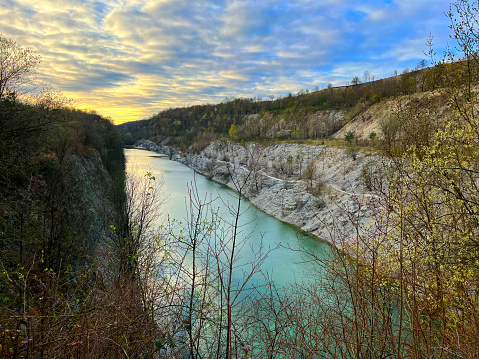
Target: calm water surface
283,265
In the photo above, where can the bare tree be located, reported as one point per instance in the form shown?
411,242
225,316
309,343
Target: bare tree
422,64
17,66
356,80
366,76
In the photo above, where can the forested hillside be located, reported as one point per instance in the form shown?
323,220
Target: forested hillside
306,115
53,162
64,272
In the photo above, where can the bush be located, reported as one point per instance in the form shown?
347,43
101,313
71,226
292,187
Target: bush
390,126
349,136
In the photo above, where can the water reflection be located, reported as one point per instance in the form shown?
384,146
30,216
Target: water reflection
285,265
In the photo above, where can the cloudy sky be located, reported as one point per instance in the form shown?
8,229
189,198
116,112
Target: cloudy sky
129,59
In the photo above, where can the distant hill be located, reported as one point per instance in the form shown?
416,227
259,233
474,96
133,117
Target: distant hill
306,115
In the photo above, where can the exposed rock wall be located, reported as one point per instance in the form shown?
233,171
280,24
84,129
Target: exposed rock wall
88,185
409,111
320,189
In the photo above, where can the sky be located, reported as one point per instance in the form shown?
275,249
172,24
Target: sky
130,59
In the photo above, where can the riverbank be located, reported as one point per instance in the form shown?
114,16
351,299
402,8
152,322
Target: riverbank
322,190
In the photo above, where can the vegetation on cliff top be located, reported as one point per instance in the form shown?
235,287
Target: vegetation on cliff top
65,290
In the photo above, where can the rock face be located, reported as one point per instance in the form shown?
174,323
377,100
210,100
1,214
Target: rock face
368,119
324,191
91,212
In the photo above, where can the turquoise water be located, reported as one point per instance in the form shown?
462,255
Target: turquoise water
286,263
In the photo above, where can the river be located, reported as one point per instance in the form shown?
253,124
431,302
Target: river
286,263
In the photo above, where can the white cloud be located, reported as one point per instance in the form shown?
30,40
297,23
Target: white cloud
411,49
131,58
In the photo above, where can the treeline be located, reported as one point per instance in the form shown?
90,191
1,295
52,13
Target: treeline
305,115
39,148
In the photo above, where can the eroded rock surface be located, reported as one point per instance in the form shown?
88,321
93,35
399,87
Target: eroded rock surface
324,191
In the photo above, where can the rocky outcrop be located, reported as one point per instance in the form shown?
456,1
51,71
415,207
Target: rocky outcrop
320,189
88,187
367,119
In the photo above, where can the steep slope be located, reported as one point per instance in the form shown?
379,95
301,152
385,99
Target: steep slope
62,223
316,188
306,115
397,117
